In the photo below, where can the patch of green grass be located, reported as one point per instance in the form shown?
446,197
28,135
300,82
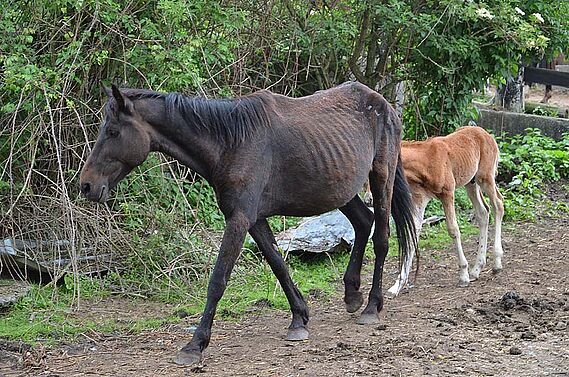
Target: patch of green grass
256,283
45,312
41,313
436,237
526,162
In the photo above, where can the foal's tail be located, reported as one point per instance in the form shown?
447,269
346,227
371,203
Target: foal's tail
403,210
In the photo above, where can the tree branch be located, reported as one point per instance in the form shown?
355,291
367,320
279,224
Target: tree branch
358,48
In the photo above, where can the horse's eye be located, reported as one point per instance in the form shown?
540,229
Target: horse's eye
112,132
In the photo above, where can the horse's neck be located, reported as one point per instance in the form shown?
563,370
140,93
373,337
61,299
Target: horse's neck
183,142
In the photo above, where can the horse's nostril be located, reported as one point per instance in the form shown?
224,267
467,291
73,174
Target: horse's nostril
85,188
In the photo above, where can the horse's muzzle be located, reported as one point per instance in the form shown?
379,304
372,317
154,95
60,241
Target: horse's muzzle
95,193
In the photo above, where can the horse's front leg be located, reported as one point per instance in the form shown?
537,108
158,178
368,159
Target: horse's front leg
231,245
264,238
447,197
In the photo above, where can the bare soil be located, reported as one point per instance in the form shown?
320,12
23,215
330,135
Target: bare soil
511,324
559,96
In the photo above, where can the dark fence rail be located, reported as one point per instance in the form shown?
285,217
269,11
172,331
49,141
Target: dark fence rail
546,76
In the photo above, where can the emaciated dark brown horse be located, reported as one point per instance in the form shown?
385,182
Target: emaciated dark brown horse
264,155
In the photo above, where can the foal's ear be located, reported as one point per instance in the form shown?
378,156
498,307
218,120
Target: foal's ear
124,104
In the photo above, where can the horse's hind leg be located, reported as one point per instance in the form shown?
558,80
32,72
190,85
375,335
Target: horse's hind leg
482,217
361,219
447,197
381,183
263,236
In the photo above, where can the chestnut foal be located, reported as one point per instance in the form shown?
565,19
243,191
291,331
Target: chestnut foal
435,168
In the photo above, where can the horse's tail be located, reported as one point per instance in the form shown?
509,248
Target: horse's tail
403,211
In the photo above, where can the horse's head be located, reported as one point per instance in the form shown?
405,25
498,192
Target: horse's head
123,144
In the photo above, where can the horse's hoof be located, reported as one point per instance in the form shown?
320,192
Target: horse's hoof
188,357
354,302
474,275
368,319
297,334
496,270
463,283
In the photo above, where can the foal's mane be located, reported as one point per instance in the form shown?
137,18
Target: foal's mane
231,121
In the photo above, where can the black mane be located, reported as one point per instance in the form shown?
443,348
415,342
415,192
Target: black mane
229,120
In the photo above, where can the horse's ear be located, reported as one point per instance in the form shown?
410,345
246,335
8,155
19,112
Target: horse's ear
124,104
107,90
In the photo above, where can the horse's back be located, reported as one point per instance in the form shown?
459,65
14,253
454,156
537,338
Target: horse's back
460,156
349,117
347,100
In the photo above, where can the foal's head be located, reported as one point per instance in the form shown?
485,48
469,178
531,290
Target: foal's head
122,145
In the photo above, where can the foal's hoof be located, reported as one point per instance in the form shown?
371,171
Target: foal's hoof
496,270
474,275
463,283
188,357
297,334
368,319
354,302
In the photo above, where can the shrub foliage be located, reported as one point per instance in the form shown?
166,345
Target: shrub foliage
55,56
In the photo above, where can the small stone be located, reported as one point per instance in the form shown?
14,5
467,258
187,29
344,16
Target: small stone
511,299
560,325
528,335
182,313
515,351
191,329
512,295
381,327
470,311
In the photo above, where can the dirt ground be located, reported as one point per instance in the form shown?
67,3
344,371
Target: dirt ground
511,324
559,96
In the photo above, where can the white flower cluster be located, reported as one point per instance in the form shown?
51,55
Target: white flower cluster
484,13
538,17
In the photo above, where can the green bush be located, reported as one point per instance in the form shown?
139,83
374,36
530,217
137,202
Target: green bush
54,56
527,162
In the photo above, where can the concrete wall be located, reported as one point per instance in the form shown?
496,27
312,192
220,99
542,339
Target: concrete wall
501,122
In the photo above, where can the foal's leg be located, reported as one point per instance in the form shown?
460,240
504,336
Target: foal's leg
368,197
497,202
382,191
264,238
420,202
361,219
447,197
483,219
233,237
